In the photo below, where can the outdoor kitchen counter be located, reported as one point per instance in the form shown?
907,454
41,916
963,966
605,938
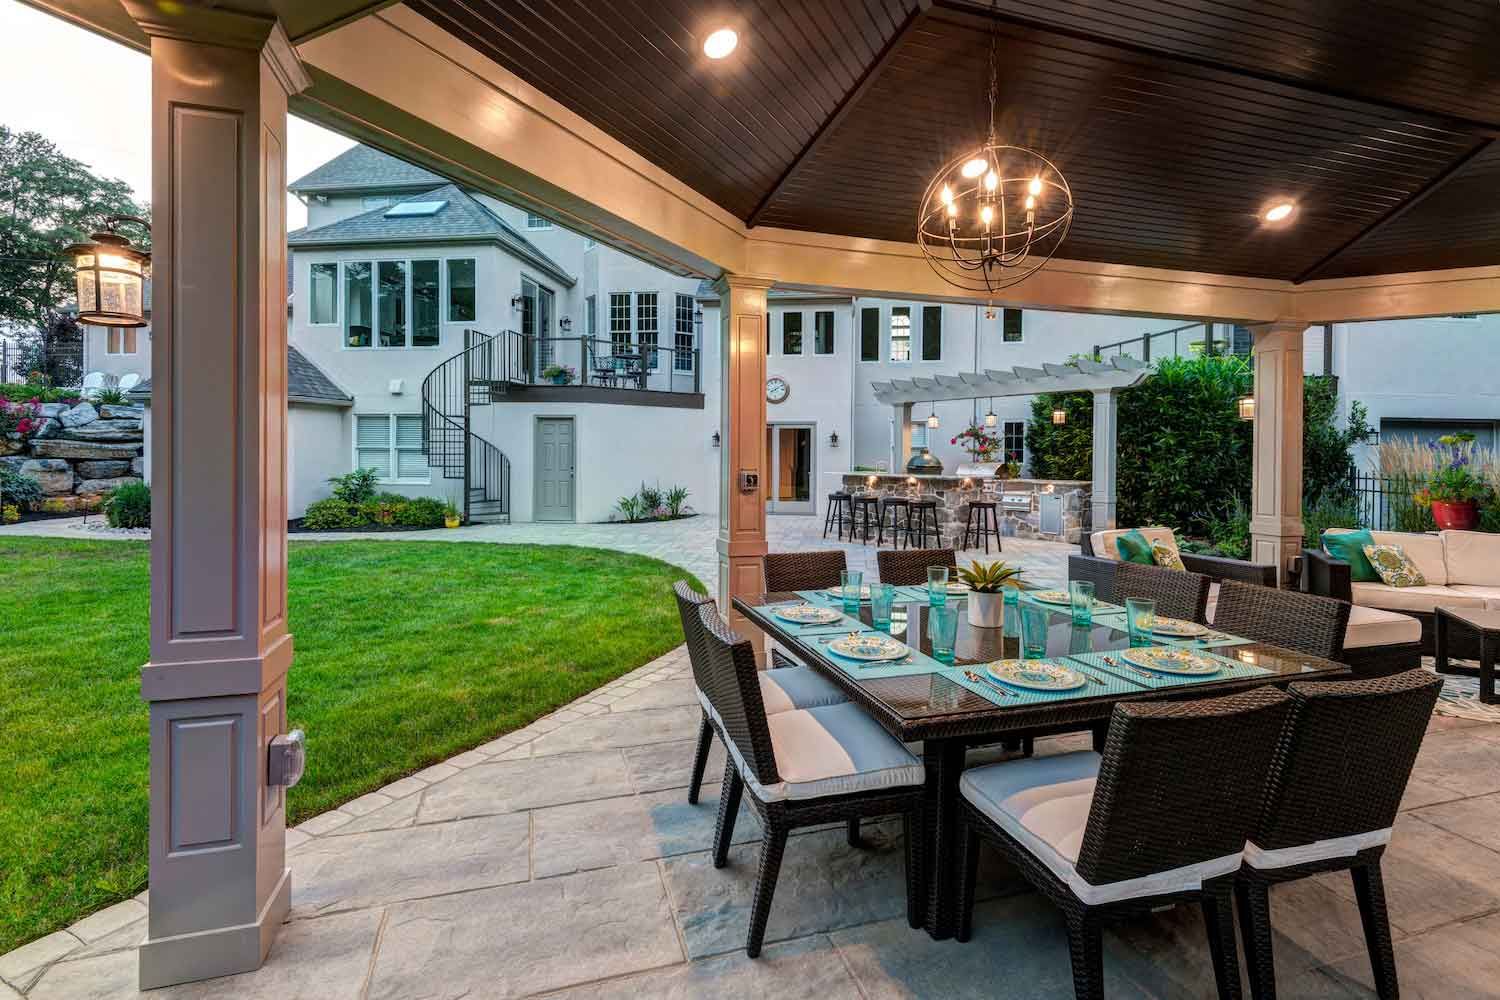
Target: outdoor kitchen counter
1052,509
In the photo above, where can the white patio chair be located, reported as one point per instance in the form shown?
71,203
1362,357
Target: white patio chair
129,381
92,383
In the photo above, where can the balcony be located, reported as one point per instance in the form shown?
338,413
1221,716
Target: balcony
591,369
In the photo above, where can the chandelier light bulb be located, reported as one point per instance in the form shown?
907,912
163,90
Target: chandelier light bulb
953,210
1279,212
1035,187
720,43
986,215
1030,203
946,195
973,168
991,181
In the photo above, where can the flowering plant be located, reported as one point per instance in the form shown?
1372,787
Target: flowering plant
20,418
1454,481
978,442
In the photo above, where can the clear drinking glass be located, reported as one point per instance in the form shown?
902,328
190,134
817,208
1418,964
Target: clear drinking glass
937,585
1081,599
1033,632
942,631
1140,619
1012,601
882,596
851,584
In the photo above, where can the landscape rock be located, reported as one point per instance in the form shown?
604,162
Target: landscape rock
121,411
13,462
53,410
101,486
138,466
65,448
83,413
52,474
103,468
108,430
11,445
48,428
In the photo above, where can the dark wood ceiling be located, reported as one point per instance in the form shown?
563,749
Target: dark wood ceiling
1175,121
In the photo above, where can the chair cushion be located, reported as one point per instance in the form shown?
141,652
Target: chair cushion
1472,558
1213,603
1043,803
1103,542
786,689
1378,595
1378,627
831,750
1349,546
1136,548
1490,595
1426,551
1394,566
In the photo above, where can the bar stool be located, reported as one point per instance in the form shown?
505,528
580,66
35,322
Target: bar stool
838,507
863,510
894,506
921,522
987,524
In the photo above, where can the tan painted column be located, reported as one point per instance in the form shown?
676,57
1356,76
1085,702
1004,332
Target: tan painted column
900,437
742,507
220,649
1276,489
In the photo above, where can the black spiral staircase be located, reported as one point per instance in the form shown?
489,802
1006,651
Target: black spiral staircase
449,394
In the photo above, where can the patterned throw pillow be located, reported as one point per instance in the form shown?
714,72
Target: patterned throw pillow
1394,566
1166,555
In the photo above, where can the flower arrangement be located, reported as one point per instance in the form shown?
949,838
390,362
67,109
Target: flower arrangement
1453,479
981,445
20,418
560,374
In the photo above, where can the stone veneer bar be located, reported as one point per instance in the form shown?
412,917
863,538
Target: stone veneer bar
953,494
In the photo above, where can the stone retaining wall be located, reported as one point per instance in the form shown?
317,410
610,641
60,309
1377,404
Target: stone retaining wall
80,453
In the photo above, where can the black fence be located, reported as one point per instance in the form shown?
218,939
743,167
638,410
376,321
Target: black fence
1384,503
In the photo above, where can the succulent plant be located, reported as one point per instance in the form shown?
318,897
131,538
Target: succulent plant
990,578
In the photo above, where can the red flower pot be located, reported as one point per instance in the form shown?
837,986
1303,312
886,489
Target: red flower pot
1460,516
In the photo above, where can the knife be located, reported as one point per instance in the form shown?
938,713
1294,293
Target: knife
975,678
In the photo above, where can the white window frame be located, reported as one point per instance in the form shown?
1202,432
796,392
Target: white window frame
406,263
833,333
338,289
394,457
892,338
537,221
650,356
801,334
859,336
921,352
628,343
1021,339
1005,431
111,331
446,280
682,356
918,435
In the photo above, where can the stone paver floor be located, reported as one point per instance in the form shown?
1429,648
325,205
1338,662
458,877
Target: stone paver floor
564,858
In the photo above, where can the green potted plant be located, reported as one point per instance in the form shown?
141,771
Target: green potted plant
451,518
559,374
1453,491
987,583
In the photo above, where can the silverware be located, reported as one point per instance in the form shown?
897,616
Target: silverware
975,678
1090,676
1130,666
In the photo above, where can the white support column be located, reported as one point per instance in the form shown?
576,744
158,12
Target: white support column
1106,463
1276,489
901,439
220,650
742,506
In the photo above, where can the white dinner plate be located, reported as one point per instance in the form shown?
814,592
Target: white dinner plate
1173,661
1036,675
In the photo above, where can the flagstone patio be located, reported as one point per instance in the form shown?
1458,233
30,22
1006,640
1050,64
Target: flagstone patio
564,857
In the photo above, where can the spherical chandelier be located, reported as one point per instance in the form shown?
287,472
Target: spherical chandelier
995,215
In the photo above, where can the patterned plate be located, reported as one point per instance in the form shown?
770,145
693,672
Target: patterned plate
1050,596
864,592
869,646
807,614
1173,661
1178,627
1036,675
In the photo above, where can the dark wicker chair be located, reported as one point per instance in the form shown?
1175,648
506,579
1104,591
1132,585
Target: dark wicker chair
790,687
786,571
1341,767
787,791
908,567
1304,622
1177,594
1329,577
1168,802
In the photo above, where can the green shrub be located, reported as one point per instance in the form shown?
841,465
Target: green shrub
1229,530
354,487
382,508
129,506
1324,514
332,514
18,490
630,507
676,499
113,396
20,392
422,512
650,497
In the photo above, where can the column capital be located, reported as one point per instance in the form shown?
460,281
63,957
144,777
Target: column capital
1281,334
727,283
225,28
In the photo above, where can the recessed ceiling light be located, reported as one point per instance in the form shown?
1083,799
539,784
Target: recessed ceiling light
720,43
1280,212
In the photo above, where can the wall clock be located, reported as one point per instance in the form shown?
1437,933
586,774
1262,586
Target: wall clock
777,390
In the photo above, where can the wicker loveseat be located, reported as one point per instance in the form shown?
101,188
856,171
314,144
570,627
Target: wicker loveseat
1099,557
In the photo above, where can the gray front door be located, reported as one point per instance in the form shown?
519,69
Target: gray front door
554,469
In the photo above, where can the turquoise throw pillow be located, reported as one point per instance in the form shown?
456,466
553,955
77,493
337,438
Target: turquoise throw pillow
1134,547
1350,547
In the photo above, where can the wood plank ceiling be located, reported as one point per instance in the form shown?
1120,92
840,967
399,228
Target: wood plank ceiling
1175,121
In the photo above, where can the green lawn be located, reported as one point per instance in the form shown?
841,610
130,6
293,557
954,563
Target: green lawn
406,653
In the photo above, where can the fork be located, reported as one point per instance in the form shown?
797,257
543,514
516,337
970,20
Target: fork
976,679
1130,666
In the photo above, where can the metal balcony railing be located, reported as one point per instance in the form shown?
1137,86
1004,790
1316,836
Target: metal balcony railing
528,360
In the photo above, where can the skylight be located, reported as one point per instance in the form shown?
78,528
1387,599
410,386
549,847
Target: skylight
408,209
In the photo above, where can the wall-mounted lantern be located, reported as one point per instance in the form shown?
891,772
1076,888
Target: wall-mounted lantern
565,324
717,440
1059,417
516,300
1246,406
833,440
111,276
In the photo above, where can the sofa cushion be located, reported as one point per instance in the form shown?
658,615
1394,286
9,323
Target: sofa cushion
1490,595
830,750
1395,567
1349,546
1472,557
1426,551
1103,542
1379,627
1378,595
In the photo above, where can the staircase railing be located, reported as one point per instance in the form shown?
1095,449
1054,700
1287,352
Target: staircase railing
449,393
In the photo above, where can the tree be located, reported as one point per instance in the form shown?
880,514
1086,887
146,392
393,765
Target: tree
54,350
47,200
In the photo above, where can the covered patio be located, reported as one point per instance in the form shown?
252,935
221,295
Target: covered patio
797,162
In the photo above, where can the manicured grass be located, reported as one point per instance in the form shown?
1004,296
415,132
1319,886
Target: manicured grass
406,653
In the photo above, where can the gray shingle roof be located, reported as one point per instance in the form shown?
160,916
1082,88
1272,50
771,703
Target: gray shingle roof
305,383
364,169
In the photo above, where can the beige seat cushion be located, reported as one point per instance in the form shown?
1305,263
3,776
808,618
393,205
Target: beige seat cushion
1490,595
1104,541
1213,603
1472,557
1426,551
1379,627
1378,595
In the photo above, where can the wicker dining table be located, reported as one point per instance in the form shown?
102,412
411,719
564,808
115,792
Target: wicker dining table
919,699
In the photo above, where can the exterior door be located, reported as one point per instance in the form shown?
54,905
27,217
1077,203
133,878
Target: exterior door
790,451
554,469
537,307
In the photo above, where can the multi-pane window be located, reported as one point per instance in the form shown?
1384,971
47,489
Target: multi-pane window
932,333
461,301
918,436
682,359
900,333
591,317
374,201
358,307
1242,343
391,307
119,340
619,321
537,222
1011,327
1013,440
791,333
646,326
425,293
391,444
390,303
869,334
823,331
323,294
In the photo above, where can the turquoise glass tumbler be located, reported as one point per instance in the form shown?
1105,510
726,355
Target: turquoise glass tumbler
937,586
1033,631
942,632
882,596
1081,601
851,587
1140,620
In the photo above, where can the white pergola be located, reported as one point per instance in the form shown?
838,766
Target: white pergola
223,79
1103,379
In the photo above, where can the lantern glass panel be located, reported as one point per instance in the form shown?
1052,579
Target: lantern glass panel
87,286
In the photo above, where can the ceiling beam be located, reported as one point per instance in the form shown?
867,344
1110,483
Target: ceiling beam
851,99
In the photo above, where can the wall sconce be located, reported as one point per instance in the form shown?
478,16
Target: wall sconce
717,439
1246,406
565,324
1059,417
833,440
111,276
515,301
872,481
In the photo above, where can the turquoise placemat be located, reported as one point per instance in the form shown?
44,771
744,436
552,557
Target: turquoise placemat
1098,683
845,624
920,663
1233,670
1101,608
1214,640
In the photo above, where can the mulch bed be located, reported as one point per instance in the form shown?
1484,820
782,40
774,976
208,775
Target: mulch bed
295,527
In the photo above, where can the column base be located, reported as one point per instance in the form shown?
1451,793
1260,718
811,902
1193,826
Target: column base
1275,547
224,951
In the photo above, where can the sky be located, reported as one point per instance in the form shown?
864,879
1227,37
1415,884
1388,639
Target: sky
43,90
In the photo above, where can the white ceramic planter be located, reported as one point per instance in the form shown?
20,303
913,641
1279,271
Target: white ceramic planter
986,610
